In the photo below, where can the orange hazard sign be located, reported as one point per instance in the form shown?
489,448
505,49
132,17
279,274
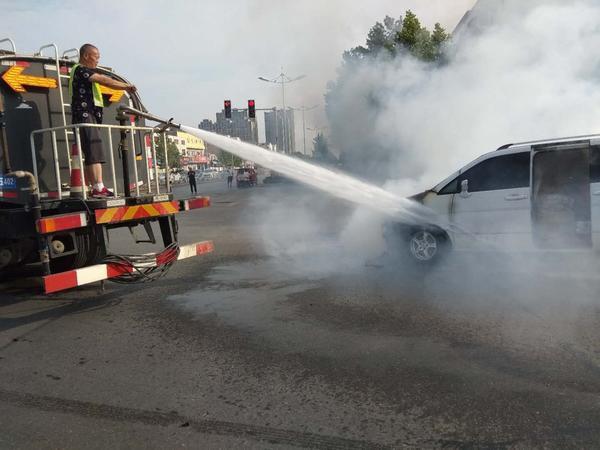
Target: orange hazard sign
16,80
124,213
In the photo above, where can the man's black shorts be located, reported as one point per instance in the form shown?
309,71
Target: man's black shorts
91,142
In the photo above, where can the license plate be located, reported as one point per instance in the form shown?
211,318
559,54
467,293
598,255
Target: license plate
161,198
8,182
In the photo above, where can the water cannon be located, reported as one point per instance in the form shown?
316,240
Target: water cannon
164,123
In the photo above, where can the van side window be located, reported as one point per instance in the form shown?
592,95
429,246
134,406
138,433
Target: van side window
500,172
450,188
595,164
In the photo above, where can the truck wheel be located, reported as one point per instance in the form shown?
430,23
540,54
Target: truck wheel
90,251
96,250
427,246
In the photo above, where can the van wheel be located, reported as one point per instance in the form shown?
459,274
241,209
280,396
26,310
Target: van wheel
426,247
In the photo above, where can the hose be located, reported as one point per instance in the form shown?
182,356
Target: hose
145,267
36,210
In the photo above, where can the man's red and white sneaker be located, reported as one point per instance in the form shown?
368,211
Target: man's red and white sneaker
102,192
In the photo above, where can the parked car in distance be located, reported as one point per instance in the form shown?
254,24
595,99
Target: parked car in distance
208,175
245,177
276,178
176,177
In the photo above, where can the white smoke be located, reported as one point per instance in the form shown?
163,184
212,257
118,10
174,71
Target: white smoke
519,71
515,72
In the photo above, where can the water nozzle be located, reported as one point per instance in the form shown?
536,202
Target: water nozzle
165,124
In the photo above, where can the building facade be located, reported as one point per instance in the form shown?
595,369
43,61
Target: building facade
280,131
238,126
208,125
192,150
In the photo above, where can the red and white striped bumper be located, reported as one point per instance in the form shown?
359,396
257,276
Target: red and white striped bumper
194,203
62,222
78,277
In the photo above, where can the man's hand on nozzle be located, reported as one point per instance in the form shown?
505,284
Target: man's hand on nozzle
130,88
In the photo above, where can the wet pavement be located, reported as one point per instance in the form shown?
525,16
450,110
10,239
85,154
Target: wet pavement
289,335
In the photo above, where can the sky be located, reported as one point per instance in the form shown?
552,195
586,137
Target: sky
186,57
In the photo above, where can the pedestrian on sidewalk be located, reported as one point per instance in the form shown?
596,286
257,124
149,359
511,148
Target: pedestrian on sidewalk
192,179
229,178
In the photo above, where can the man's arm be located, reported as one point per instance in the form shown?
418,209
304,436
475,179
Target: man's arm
112,83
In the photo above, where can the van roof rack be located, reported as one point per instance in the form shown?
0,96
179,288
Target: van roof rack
558,139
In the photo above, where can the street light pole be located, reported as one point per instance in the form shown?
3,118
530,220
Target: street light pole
283,79
284,118
304,109
303,132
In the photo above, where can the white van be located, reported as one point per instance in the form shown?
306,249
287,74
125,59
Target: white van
533,195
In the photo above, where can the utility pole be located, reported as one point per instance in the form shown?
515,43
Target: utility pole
304,109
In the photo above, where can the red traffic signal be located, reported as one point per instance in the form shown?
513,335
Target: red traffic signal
227,107
251,109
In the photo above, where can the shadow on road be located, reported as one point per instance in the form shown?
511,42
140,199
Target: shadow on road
19,307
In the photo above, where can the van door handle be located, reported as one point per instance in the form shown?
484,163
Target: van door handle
514,197
596,193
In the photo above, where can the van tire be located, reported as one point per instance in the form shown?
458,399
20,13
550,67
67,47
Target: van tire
426,246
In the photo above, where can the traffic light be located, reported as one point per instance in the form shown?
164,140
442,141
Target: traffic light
227,109
251,109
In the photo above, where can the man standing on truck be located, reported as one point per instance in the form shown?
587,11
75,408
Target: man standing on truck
86,107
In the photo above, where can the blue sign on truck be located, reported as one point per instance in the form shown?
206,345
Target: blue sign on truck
8,182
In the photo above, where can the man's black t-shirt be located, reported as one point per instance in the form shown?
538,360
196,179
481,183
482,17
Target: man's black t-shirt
82,102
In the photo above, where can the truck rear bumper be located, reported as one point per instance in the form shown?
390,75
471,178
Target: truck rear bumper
117,214
78,277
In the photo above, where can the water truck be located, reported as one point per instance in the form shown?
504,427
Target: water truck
47,215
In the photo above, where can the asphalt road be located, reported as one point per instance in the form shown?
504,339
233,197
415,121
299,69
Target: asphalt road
282,338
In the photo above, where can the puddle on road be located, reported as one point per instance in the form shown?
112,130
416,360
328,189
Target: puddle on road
249,295
383,317
254,295
270,303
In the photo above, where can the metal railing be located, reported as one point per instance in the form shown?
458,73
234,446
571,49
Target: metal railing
109,128
11,42
59,86
70,53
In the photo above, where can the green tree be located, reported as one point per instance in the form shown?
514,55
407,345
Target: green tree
424,48
321,150
402,35
439,35
377,38
419,41
408,35
229,159
172,154
381,41
358,88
